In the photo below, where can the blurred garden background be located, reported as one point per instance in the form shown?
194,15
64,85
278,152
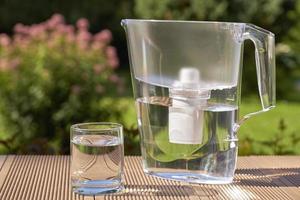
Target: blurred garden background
63,62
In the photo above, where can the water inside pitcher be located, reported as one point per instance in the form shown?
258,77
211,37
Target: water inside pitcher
186,80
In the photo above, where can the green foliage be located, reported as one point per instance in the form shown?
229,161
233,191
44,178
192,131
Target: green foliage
264,10
273,132
52,75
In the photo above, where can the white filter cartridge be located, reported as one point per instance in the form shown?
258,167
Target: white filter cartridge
185,115
185,124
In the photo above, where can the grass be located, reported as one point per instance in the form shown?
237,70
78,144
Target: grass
263,126
281,122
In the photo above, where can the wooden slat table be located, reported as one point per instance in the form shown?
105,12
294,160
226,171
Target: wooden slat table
47,177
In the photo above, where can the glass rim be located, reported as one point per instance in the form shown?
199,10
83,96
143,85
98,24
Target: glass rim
114,127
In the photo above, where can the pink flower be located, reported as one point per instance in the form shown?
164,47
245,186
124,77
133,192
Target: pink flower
103,36
83,38
20,41
20,28
70,37
4,40
69,29
55,20
98,68
65,29
97,46
14,63
111,52
82,24
113,62
37,30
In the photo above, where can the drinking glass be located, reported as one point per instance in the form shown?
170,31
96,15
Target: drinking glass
97,158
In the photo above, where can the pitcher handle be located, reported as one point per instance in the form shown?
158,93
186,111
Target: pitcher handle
264,42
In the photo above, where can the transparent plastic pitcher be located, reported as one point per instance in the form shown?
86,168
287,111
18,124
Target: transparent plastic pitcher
186,80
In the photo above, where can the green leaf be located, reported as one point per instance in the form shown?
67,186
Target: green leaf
164,151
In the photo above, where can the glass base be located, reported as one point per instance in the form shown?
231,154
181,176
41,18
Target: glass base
191,177
96,188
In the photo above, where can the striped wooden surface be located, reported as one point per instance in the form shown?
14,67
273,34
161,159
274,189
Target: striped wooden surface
47,177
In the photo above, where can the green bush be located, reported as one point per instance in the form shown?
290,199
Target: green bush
52,75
